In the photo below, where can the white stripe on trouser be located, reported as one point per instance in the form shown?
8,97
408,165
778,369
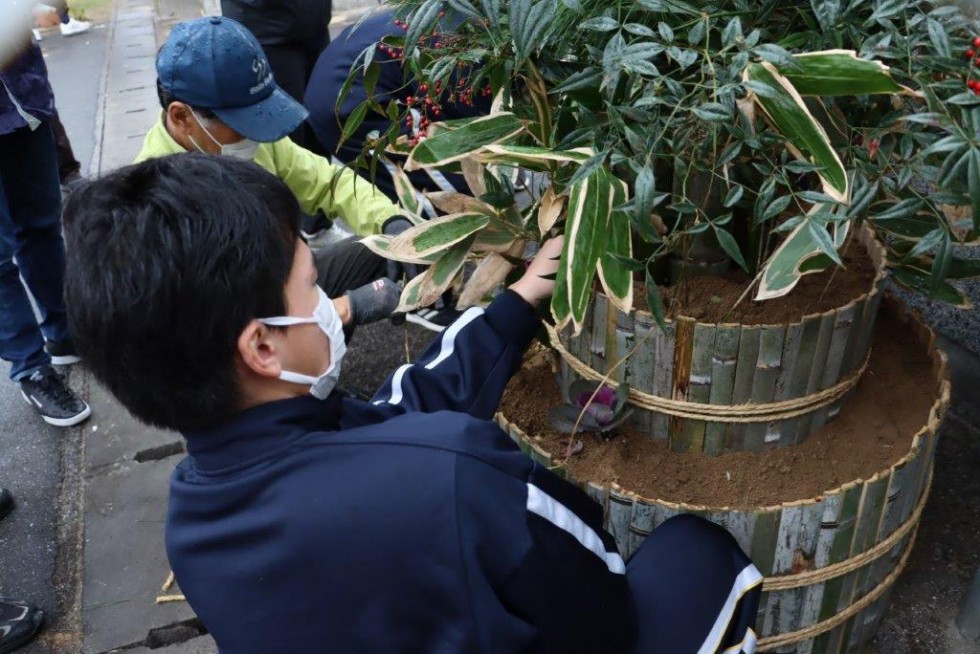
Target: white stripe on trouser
747,646
542,504
445,351
747,579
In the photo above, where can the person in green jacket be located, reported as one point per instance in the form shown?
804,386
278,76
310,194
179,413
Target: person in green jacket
219,97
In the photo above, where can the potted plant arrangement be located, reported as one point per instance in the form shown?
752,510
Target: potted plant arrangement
735,180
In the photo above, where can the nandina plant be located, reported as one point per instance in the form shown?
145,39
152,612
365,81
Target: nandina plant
753,134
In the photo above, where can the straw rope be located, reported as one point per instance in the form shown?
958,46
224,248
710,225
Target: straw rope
772,642
728,413
811,577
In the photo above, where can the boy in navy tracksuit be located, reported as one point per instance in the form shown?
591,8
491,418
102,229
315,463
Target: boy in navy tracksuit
306,521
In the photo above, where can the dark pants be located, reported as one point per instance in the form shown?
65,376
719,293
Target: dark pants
67,163
292,66
344,266
31,248
694,590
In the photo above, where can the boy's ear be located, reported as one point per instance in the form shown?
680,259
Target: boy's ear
179,115
258,351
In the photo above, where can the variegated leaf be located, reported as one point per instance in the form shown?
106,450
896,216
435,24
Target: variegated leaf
805,137
381,246
617,279
436,235
785,267
840,72
446,147
586,236
454,202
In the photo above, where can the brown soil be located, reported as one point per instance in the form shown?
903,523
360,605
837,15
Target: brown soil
710,299
873,431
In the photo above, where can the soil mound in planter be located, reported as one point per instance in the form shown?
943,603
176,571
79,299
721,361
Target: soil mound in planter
710,299
872,431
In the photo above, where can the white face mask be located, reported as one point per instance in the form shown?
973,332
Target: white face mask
244,149
326,317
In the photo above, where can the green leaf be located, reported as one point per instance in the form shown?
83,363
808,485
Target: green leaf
928,242
491,10
655,301
963,268
776,207
407,195
437,235
645,190
599,24
449,146
939,38
920,281
354,120
734,195
529,156
820,236
783,270
616,279
731,32
420,22
840,72
586,233
585,78
639,29
730,246
666,33
774,54
902,209
806,139
529,32
442,273
714,112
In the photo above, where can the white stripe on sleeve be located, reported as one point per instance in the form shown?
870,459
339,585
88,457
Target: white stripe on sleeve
542,504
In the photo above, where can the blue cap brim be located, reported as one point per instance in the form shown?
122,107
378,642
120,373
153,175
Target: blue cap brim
266,121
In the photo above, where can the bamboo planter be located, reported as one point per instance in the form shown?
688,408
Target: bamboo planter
830,560
717,388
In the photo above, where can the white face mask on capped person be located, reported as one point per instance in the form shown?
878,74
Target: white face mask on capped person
326,317
244,149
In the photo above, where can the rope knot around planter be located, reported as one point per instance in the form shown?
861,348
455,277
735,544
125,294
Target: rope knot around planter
728,413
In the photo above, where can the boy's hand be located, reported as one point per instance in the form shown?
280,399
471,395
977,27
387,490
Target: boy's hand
538,281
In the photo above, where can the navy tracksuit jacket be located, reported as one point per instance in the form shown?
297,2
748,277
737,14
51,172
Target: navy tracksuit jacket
408,524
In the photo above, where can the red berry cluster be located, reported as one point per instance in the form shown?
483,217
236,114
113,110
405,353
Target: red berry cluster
971,55
429,103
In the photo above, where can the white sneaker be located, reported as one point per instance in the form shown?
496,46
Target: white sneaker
37,35
73,27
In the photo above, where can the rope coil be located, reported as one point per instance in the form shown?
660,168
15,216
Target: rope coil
728,413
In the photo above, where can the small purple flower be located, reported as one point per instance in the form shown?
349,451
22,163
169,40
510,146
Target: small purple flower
597,409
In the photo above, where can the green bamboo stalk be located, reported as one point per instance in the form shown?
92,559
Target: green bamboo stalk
643,367
781,431
767,370
748,358
663,348
680,440
699,384
723,362
840,549
598,360
815,380
843,324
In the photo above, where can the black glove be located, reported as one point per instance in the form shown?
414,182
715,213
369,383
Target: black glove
396,269
373,302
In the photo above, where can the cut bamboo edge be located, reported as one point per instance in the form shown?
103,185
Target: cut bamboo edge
875,515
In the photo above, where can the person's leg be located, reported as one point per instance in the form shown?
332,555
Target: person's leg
346,265
69,169
694,590
21,342
34,198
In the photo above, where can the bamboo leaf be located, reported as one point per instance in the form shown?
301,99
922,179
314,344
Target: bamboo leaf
806,138
527,156
655,301
586,235
840,72
381,246
468,137
488,276
919,281
599,24
455,202
436,235
407,195
616,279
783,270
442,273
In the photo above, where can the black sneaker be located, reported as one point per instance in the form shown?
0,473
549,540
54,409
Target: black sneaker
19,622
433,319
46,391
62,353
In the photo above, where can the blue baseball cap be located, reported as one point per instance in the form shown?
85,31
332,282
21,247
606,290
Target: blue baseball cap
216,63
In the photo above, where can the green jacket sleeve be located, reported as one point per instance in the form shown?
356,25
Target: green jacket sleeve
336,190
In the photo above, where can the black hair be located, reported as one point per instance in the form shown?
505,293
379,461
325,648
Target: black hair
168,261
166,98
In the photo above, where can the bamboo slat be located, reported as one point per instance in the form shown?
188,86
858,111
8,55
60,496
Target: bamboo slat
768,366
723,361
745,366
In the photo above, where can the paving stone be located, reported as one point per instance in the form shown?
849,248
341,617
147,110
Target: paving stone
125,562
